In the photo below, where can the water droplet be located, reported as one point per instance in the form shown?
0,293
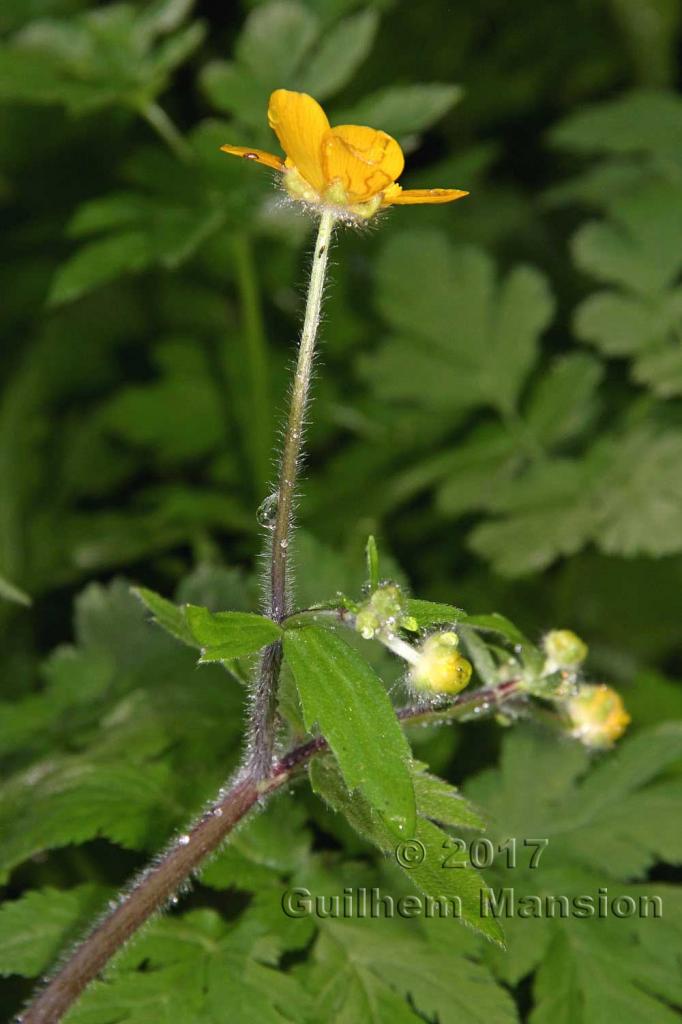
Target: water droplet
175,900
217,812
267,511
183,840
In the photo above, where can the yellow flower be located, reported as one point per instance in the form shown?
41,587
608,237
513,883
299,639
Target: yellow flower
350,167
598,715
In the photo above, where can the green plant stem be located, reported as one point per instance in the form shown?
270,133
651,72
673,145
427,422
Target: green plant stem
257,404
159,883
157,118
293,438
264,705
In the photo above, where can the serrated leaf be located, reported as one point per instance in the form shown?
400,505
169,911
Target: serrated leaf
35,928
563,403
463,338
373,972
167,615
596,831
72,799
439,870
432,613
637,247
197,969
645,121
111,56
223,636
341,693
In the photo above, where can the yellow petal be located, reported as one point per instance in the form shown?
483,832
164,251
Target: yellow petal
365,160
411,196
300,124
257,155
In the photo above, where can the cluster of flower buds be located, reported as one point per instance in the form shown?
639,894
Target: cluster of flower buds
439,667
384,613
436,666
595,711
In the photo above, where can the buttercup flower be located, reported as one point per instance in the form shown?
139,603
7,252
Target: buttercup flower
350,167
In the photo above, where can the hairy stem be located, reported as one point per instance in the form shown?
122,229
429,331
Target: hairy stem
155,886
264,707
293,438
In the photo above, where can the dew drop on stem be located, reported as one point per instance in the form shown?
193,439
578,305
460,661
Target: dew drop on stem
267,511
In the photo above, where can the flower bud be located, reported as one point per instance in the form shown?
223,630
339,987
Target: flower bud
564,649
440,667
384,612
598,715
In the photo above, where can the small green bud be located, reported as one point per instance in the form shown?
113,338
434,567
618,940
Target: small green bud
383,612
564,649
441,668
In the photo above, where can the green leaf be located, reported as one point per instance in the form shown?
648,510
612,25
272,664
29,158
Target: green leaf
186,384
564,401
613,971
223,636
341,51
637,247
402,110
439,870
111,56
638,122
372,972
167,615
431,613
37,927
372,563
497,623
98,263
641,318
64,800
602,826
274,41
639,493
195,966
463,339
443,804
341,693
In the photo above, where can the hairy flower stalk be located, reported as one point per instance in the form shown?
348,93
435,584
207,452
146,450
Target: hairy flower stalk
264,709
348,172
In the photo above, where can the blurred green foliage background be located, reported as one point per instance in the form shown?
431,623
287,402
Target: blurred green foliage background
500,380
499,389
